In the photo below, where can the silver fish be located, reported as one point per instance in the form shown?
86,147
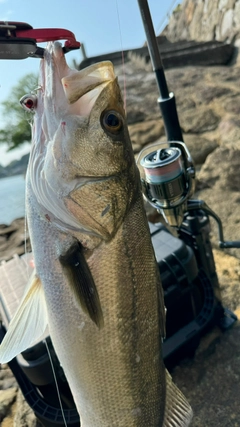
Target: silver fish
96,282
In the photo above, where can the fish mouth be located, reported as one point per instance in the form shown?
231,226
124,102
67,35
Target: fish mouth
65,90
84,86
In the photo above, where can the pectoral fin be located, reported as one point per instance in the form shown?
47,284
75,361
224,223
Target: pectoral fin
82,283
28,324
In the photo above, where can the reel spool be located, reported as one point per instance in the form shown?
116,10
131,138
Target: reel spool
167,176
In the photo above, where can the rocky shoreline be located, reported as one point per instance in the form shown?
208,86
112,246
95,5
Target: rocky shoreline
208,100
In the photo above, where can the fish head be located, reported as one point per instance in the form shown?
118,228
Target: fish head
82,168
96,141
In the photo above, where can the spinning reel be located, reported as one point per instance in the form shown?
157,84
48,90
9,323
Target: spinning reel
167,177
168,181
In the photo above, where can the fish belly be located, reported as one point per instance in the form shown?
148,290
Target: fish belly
115,373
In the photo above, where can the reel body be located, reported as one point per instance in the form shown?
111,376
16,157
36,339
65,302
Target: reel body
167,177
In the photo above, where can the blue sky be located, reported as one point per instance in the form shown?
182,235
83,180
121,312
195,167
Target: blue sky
94,22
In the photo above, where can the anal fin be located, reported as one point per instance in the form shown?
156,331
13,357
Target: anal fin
178,412
29,322
82,283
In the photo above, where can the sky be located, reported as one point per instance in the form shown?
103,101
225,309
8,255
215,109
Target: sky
102,25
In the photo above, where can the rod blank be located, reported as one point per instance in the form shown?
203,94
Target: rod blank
153,48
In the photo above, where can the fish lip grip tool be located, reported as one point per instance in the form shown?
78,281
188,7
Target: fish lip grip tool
18,40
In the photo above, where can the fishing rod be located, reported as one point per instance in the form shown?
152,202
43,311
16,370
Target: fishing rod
168,173
166,101
168,182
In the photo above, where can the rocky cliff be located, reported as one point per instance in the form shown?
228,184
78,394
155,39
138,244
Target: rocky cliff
205,20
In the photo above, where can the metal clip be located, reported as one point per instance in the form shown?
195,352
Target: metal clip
18,40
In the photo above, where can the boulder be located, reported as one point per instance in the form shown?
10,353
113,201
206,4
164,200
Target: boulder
24,415
199,147
204,21
7,398
146,132
203,120
221,172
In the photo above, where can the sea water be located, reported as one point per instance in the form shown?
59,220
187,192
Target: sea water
12,198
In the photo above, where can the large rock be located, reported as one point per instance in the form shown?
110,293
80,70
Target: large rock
222,169
199,147
221,172
145,132
7,398
24,415
229,130
7,379
228,270
210,381
202,121
205,20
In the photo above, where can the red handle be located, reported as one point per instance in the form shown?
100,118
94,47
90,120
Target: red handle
50,34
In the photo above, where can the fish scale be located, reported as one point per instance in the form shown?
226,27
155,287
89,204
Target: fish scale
113,395
96,275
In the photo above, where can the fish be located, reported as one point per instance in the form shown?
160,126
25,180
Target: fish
96,283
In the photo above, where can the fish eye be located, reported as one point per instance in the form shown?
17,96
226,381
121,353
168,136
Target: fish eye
29,102
112,121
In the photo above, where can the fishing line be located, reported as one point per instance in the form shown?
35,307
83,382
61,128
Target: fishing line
28,269
172,5
25,233
123,63
55,380
27,266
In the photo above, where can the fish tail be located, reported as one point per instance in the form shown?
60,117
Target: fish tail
178,412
